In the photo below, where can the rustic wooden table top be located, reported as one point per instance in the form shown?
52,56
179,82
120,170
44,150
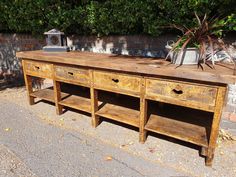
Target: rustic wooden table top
222,74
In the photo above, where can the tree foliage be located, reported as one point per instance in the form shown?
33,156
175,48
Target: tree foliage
105,17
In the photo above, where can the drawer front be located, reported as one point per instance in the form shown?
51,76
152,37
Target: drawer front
191,95
72,74
39,69
117,82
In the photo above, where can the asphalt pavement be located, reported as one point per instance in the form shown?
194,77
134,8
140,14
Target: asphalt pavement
34,141
49,151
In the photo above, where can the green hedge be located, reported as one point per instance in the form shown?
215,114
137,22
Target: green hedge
108,16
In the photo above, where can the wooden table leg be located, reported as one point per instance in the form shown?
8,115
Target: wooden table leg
94,107
143,114
94,102
215,125
57,96
28,85
143,120
210,157
29,88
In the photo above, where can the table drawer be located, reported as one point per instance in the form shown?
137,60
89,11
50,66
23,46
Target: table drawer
181,93
117,82
39,69
72,75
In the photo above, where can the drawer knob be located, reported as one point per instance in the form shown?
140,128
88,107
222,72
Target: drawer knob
37,67
70,73
115,80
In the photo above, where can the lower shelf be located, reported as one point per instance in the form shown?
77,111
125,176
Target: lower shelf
192,133
46,94
120,114
176,128
77,102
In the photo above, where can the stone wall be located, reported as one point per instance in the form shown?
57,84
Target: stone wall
133,45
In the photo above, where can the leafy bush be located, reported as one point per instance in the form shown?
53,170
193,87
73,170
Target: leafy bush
108,16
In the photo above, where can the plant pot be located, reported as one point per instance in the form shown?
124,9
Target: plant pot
190,56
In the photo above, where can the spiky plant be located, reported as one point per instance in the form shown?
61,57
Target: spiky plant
205,36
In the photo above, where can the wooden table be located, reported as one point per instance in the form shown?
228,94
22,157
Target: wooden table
193,98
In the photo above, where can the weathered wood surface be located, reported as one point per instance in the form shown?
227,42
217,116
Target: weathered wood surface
143,113
220,99
72,75
136,77
46,94
57,96
186,124
117,82
180,93
178,129
38,69
28,84
94,102
120,113
77,102
221,74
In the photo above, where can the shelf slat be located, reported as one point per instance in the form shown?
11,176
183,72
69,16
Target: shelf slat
77,102
120,114
46,94
195,134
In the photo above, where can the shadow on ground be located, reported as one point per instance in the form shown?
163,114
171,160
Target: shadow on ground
11,83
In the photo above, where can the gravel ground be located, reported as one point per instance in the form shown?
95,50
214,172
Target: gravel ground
67,145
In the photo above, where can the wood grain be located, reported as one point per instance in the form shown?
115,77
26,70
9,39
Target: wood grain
120,114
77,102
117,82
94,101
39,69
57,96
46,94
222,73
180,93
143,113
220,99
180,130
28,84
146,79
72,75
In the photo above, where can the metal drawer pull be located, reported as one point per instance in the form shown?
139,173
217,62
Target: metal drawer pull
70,73
37,67
115,80
177,91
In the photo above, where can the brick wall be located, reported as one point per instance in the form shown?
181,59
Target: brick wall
10,67
230,108
138,45
132,45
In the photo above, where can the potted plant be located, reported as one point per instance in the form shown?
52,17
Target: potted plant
198,44
190,54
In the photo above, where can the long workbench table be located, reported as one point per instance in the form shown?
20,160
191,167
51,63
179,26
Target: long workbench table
193,98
